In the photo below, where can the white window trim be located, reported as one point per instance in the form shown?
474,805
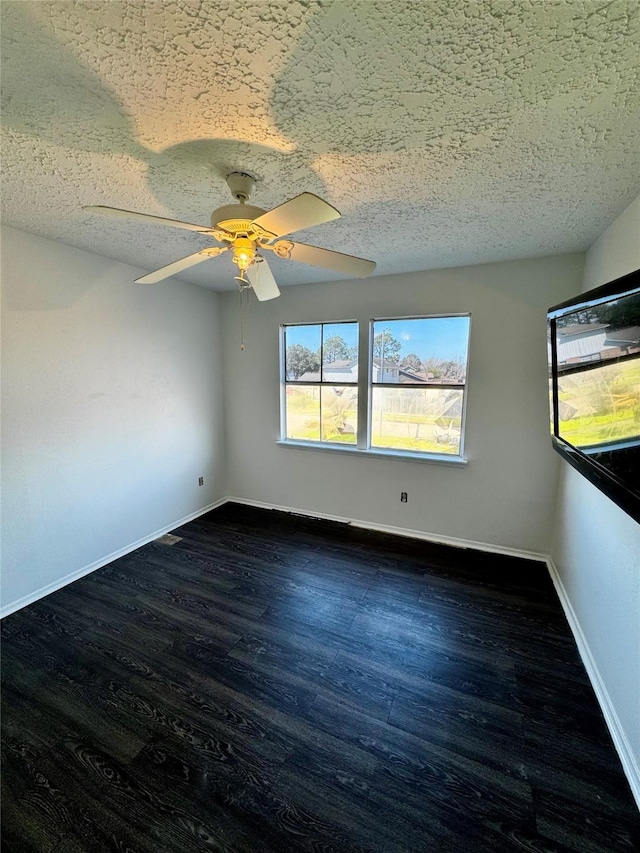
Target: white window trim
375,452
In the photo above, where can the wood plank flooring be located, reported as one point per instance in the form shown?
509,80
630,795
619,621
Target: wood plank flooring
272,683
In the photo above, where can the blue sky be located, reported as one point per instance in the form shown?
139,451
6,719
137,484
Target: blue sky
438,337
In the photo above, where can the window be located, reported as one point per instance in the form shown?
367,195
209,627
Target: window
418,376
321,382
413,391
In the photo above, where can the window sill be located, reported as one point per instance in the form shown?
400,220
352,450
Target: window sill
402,455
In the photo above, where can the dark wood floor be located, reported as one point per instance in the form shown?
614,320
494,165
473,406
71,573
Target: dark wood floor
271,683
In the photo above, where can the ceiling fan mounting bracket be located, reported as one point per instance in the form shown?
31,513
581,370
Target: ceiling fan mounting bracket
241,185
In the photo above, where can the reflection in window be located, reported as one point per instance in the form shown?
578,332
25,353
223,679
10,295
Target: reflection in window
598,352
423,420
600,405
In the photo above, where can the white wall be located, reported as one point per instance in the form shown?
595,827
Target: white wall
111,409
504,497
596,548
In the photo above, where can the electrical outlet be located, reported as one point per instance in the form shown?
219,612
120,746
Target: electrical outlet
201,481
403,497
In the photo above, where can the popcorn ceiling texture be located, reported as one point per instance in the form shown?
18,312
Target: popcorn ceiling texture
446,132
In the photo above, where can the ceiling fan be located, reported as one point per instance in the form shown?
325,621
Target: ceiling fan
249,230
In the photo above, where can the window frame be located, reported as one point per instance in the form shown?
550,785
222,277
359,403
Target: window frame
394,385
285,383
365,388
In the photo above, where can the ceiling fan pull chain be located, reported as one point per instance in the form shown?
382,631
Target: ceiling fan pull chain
243,302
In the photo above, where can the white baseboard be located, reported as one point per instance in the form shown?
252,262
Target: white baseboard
98,564
629,763
400,531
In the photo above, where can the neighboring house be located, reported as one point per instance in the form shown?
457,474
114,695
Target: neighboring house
581,341
338,372
626,339
385,371
346,370
592,342
390,371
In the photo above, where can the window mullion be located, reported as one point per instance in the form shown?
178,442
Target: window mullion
364,372
283,384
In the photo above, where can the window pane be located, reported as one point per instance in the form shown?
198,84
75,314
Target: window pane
340,352
421,351
551,423
303,412
426,420
302,348
600,406
599,333
339,413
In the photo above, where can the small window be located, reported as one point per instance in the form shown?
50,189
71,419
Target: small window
321,382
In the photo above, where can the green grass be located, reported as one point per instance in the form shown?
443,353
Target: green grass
606,404
311,431
582,432
402,418
418,445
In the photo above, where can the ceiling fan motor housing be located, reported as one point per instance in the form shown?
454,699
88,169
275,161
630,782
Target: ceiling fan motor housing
235,218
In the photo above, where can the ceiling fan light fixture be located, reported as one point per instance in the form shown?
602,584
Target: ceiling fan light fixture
244,251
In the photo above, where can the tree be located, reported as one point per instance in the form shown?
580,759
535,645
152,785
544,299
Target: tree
446,371
386,346
411,362
301,360
433,366
335,348
582,317
453,371
622,314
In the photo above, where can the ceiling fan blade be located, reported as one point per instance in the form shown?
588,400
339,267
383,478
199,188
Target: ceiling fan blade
300,212
157,220
182,264
337,261
262,281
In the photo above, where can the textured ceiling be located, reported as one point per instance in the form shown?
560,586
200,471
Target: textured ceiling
446,132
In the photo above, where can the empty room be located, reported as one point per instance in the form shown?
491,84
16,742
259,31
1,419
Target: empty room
320,426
